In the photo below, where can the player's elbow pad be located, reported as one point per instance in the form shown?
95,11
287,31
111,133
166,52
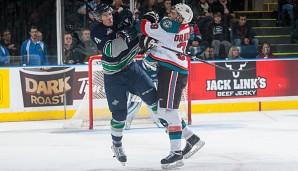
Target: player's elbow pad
114,47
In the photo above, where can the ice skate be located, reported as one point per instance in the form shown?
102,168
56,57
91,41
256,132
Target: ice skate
173,160
119,152
193,144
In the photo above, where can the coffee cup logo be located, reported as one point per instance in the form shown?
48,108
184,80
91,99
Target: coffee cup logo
47,87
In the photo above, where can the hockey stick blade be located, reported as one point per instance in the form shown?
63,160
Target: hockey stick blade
201,60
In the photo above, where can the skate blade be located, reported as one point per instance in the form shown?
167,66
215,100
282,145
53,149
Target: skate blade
123,163
195,149
177,164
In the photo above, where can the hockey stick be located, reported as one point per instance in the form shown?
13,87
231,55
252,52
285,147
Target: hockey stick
201,60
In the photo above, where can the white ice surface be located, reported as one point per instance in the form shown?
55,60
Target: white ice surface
250,141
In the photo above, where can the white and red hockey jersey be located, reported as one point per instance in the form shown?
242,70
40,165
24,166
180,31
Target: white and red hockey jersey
171,34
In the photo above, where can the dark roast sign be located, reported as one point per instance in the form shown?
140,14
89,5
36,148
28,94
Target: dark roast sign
236,83
47,86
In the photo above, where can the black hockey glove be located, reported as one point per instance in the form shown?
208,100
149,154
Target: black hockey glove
129,34
145,42
163,122
125,18
152,16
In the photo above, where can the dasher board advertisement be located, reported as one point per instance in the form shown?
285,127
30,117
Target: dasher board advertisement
272,78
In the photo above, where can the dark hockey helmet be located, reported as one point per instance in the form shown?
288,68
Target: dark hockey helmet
99,10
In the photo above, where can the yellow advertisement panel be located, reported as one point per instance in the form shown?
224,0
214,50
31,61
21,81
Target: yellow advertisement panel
4,89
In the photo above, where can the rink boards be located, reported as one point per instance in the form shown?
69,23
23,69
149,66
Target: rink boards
36,93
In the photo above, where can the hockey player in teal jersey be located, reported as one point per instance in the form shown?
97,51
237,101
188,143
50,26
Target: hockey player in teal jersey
118,42
173,32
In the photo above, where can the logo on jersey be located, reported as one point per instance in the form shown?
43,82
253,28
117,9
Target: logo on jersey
97,40
115,102
109,31
167,24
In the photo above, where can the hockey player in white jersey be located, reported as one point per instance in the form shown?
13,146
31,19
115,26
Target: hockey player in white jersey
172,32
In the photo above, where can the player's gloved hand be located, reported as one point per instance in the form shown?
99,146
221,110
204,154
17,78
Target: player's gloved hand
163,122
146,42
149,66
152,16
129,34
125,18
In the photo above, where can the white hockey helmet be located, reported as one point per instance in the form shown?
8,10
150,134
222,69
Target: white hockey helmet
185,12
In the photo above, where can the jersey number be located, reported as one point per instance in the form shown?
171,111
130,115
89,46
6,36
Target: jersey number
179,55
154,26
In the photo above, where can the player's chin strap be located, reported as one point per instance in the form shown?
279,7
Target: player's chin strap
202,60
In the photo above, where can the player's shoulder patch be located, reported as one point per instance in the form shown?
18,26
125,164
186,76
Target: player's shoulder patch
170,25
167,23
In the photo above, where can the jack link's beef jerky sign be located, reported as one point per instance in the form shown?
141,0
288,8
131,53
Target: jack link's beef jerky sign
236,83
52,87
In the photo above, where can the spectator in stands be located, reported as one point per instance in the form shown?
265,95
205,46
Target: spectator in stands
33,52
159,3
209,54
74,49
86,10
234,53
217,36
202,14
39,36
7,42
118,5
243,34
195,42
226,10
67,46
137,15
91,48
165,9
266,53
4,56
149,5
287,6
138,3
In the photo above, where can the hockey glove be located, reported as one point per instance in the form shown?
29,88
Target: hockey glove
129,34
149,66
146,43
125,18
152,16
163,122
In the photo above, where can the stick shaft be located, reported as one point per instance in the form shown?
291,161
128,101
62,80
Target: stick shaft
201,60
